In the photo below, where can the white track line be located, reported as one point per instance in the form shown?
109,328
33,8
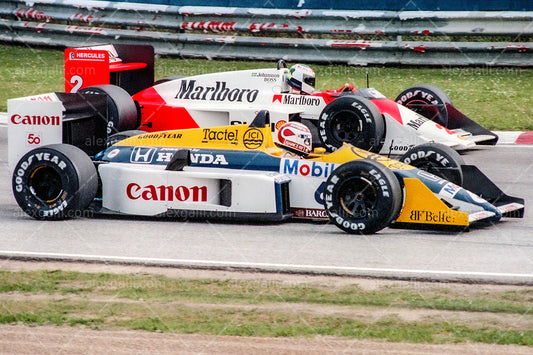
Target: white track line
392,272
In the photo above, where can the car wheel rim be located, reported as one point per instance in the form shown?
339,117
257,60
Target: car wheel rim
346,127
358,197
45,184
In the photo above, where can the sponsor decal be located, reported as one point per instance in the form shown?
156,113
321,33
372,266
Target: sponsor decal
113,153
142,155
450,190
306,168
189,90
35,120
279,124
87,55
400,148
417,122
253,138
164,156
431,216
166,193
230,136
164,135
301,100
297,100
208,159
309,213
267,77
44,97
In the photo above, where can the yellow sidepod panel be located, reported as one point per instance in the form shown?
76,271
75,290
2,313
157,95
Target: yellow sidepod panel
423,207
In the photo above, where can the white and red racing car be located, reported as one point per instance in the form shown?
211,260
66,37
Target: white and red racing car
361,117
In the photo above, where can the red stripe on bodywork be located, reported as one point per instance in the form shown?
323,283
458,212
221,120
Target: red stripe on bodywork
157,115
390,107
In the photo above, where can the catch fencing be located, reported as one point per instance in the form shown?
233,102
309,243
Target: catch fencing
443,38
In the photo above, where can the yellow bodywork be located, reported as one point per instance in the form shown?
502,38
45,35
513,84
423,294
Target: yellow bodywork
421,206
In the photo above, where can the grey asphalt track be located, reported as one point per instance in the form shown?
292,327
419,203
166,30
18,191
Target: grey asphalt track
501,253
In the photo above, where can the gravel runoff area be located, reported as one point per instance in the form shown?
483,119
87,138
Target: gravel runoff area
23,339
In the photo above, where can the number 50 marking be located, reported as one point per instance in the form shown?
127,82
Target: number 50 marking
33,139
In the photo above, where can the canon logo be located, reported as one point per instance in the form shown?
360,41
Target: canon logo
35,120
167,193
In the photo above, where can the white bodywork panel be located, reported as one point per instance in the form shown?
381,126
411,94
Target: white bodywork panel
152,190
33,121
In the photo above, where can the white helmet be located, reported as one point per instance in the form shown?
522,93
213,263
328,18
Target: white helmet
302,78
295,137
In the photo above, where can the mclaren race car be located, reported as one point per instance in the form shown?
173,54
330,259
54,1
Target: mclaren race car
361,117
239,172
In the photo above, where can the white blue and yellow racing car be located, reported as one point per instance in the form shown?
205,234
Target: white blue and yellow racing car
238,172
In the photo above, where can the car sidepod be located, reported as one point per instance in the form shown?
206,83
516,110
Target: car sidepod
151,181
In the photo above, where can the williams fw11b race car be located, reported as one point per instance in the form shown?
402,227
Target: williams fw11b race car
363,117
239,172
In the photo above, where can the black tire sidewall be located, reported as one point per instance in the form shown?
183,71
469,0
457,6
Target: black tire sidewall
384,183
364,111
439,156
79,181
122,112
429,95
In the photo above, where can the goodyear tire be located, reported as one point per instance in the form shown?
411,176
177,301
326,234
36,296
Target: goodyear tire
351,119
121,109
54,182
427,100
437,159
362,196
117,137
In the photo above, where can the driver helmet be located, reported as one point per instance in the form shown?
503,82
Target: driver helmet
302,78
295,137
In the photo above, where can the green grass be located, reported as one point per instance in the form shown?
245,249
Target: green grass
262,308
497,98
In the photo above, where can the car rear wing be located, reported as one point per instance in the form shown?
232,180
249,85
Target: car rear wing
459,122
129,66
73,118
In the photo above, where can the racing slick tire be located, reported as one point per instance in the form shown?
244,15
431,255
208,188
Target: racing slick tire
362,196
353,120
117,137
54,182
437,159
122,112
427,100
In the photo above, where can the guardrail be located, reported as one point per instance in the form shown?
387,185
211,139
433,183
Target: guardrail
330,36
